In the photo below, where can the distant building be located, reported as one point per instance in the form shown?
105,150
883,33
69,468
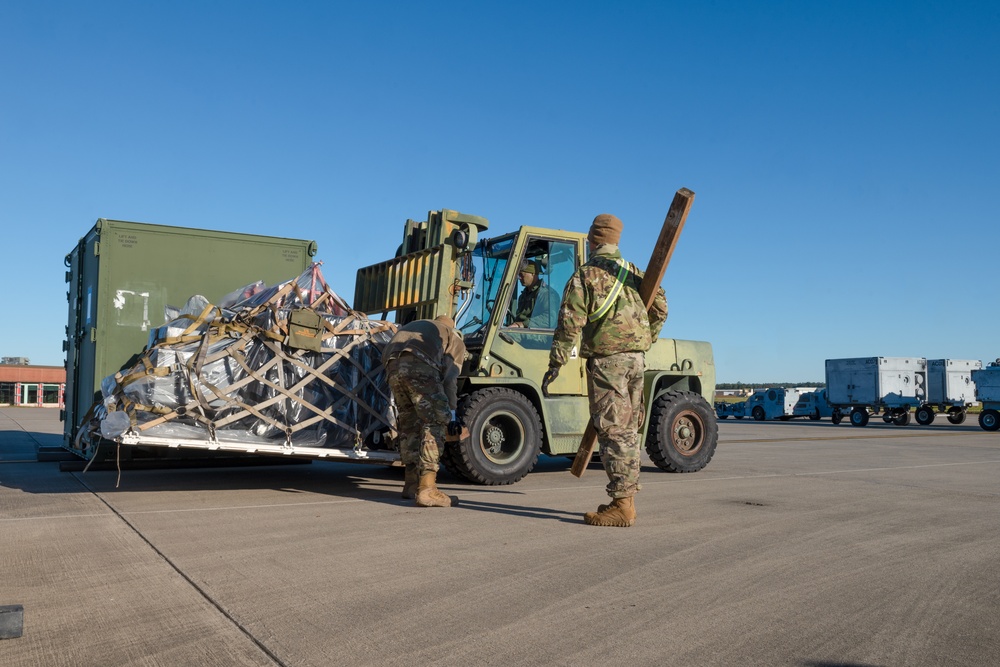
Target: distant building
35,386
721,393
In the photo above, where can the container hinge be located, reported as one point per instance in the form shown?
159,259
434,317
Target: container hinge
93,334
97,248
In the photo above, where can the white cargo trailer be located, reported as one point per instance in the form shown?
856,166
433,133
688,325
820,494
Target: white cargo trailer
869,385
949,388
987,382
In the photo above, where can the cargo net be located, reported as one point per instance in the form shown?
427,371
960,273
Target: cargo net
290,365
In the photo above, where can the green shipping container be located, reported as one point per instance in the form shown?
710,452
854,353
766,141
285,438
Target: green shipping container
121,276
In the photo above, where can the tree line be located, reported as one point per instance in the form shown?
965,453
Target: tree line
758,385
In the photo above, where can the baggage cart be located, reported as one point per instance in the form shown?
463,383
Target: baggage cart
867,386
949,389
987,381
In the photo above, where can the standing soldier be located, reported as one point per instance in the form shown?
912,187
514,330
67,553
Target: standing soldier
423,361
602,302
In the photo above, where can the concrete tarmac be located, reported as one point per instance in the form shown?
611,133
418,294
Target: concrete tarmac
802,543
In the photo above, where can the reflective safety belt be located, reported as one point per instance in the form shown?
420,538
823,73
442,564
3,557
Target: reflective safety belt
616,289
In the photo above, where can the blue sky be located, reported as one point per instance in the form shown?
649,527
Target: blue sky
845,155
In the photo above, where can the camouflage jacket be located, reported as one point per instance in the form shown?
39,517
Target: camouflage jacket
625,327
437,345
536,307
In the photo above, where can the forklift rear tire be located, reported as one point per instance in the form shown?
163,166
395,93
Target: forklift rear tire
682,433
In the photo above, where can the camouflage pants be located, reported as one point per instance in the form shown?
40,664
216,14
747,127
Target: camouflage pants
423,411
616,409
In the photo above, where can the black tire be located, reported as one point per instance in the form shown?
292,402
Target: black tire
682,432
738,417
720,416
815,415
901,419
758,413
925,415
837,416
505,437
859,417
887,418
989,420
956,416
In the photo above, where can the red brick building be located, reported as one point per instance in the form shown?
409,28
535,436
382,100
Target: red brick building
36,386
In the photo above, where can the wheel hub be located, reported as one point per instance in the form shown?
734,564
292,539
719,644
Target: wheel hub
493,439
686,439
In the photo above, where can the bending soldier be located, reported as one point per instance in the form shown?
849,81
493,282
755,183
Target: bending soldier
423,361
601,306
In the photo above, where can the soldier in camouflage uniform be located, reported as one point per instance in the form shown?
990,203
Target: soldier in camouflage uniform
423,361
601,304
537,302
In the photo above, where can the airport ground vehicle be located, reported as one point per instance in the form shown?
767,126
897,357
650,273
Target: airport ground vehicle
815,405
987,381
949,388
869,385
727,409
775,403
784,403
442,267
781,403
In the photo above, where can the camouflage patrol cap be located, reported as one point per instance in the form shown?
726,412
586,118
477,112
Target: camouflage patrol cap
606,228
445,320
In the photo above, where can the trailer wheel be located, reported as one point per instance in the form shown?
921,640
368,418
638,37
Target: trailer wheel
956,416
723,416
682,432
739,417
505,437
859,417
989,420
901,419
837,416
758,414
925,415
887,418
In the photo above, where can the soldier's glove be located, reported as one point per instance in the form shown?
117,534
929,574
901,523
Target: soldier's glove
454,426
550,375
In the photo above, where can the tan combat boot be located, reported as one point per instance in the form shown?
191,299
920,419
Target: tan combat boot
428,495
410,482
620,513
